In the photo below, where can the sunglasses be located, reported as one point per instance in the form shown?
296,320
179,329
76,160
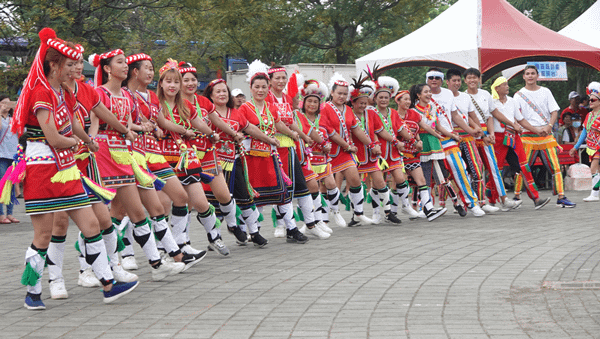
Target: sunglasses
434,78
593,99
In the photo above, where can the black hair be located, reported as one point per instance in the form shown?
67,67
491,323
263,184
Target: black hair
187,64
104,62
132,66
531,67
414,91
472,71
274,67
434,69
304,102
209,89
453,72
259,76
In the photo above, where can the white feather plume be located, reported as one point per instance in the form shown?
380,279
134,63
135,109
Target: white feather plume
390,83
255,67
336,77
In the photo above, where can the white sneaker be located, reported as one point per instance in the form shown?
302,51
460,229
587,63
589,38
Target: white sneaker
129,263
279,232
123,276
58,289
176,267
477,211
316,231
376,218
87,278
161,272
187,249
508,205
337,218
593,197
489,208
422,215
219,246
363,220
412,214
323,226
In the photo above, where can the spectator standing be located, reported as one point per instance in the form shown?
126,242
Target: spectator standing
238,98
8,148
574,108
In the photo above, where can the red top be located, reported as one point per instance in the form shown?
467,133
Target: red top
43,98
150,107
248,111
371,124
284,109
226,146
88,99
411,121
204,105
121,106
331,121
388,151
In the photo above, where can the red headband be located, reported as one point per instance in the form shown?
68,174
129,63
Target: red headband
275,70
342,83
65,50
216,81
95,59
137,57
184,69
400,94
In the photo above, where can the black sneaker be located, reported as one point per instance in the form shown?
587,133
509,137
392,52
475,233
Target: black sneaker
542,202
240,236
192,259
295,236
393,218
353,222
461,211
434,213
258,240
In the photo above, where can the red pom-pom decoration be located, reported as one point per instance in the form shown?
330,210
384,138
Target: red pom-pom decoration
47,34
182,63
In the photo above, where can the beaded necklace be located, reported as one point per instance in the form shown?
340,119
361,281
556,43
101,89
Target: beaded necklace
265,121
386,123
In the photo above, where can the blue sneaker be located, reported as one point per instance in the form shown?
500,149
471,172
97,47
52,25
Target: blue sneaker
34,302
118,290
565,202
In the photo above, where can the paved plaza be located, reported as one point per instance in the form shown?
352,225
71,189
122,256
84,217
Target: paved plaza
508,275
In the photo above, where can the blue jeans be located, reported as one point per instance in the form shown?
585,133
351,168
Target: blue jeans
4,165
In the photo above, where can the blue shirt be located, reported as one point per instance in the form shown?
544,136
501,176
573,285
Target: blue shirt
9,141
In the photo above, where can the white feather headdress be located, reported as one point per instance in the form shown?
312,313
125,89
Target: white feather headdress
389,84
314,88
337,79
256,67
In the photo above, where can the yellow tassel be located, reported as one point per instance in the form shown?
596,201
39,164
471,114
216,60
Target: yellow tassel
152,158
140,159
227,166
121,157
284,141
106,195
319,169
82,156
64,176
382,164
6,193
141,176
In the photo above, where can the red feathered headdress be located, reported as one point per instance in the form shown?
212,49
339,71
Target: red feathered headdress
36,75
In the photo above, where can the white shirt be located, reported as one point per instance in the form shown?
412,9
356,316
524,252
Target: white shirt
511,111
486,104
543,99
445,99
463,105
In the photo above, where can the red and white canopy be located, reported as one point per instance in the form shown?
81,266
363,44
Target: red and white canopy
490,35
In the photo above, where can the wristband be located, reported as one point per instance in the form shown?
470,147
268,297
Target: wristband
347,149
373,144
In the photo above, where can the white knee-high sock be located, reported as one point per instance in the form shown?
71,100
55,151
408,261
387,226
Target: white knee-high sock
357,198
163,234
144,237
35,259
402,190
128,235
317,206
375,201
250,217
179,222
228,210
306,206
333,198
110,238
96,256
55,256
208,219
287,211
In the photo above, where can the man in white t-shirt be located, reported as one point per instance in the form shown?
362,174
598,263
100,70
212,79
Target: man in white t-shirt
447,118
485,111
508,140
541,110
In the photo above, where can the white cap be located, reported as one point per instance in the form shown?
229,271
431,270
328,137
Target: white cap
236,92
573,95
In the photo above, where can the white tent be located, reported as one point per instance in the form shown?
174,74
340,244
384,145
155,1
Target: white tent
586,29
448,48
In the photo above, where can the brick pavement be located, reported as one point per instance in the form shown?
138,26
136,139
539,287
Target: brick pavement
452,278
